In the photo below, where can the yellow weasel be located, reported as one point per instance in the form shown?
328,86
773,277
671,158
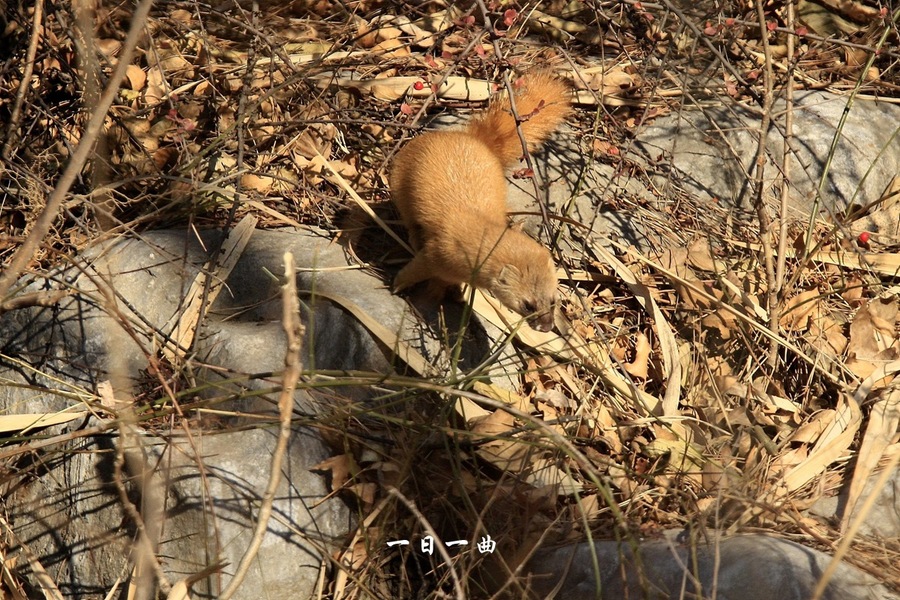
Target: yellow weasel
450,188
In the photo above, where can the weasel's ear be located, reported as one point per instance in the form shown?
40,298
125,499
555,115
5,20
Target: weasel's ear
517,225
509,274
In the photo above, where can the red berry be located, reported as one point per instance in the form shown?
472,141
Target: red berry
864,237
418,86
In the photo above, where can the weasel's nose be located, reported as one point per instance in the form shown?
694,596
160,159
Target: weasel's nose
542,322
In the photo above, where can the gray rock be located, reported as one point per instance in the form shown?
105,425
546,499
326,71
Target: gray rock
710,151
883,521
745,567
71,516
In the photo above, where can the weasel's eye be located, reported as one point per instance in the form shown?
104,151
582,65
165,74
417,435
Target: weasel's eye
529,307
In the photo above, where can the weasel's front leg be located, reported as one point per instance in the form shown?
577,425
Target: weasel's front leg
415,271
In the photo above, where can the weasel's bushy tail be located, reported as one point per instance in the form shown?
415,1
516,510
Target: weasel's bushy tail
542,103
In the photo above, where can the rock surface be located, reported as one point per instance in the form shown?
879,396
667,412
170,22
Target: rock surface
70,515
710,151
745,567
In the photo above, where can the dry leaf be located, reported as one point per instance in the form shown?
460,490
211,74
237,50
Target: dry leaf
872,336
136,77
390,48
23,423
557,400
810,431
832,445
882,427
797,310
639,367
364,492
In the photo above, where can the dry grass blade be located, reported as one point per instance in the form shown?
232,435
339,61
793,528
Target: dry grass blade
388,337
884,264
185,328
833,444
48,586
883,424
667,343
571,347
21,424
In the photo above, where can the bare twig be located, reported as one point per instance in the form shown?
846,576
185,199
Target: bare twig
84,150
779,291
294,331
148,520
759,196
12,131
43,298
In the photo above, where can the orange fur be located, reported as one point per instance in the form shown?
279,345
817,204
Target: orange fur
450,188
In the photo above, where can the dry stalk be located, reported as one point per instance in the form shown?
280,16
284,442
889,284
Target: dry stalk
411,506
765,222
294,331
779,291
12,131
148,520
84,150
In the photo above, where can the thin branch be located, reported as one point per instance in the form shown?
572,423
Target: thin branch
765,222
780,291
84,150
294,331
12,131
535,178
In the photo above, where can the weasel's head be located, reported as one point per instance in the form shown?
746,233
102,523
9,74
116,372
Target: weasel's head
527,285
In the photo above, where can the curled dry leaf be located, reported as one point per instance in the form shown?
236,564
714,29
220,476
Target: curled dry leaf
392,48
873,337
826,335
279,181
136,77
798,310
319,134
639,367
365,492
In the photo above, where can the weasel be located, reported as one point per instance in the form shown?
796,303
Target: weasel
450,189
